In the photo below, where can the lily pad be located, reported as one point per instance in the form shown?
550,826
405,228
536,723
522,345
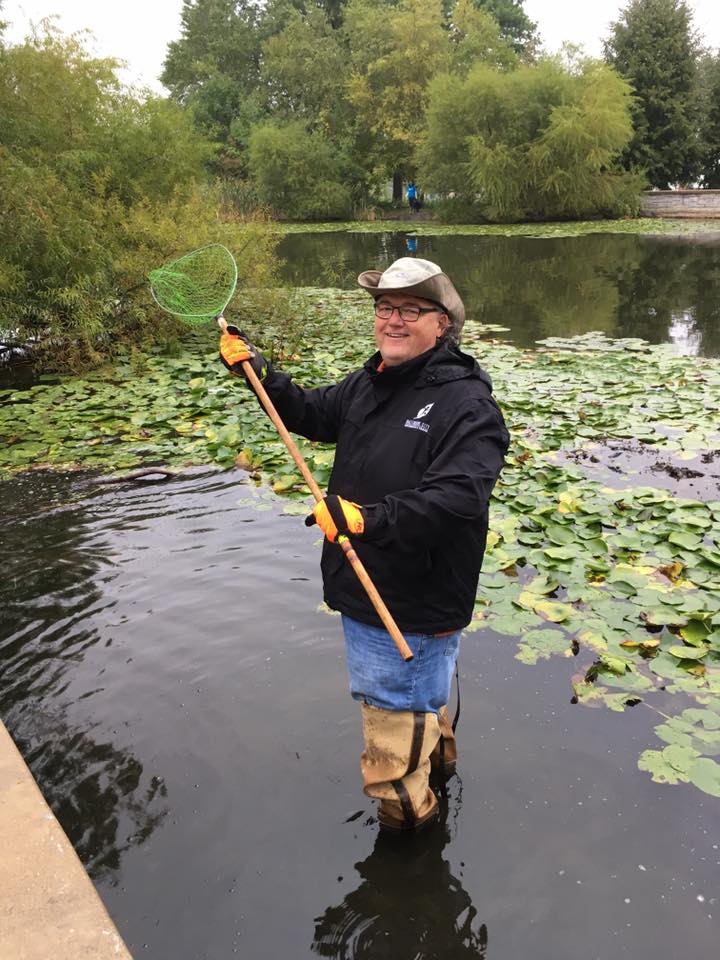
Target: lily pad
705,775
687,653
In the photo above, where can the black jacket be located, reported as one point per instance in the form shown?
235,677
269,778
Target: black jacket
419,447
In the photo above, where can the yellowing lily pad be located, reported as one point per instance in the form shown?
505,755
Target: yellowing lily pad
553,611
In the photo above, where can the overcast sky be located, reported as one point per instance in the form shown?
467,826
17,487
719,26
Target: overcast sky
138,31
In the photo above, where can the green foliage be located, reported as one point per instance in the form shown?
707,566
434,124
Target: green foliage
709,87
96,187
372,77
477,38
218,50
298,174
392,59
514,23
304,69
537,142
653,46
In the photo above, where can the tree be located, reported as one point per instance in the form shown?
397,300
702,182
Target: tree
394,53
514,23
215,64
709,87
304,70
477,38
537,142
653,46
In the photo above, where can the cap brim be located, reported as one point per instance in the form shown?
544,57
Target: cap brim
369,280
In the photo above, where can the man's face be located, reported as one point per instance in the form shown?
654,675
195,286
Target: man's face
399,340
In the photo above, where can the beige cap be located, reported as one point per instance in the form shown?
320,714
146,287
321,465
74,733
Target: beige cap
420,278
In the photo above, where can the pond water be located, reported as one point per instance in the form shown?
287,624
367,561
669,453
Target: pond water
181,699
660,288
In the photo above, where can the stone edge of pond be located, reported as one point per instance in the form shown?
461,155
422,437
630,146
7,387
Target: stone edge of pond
49,906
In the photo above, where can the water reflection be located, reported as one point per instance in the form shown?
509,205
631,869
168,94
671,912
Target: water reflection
54,572
619,284
407,906
684,334
98,791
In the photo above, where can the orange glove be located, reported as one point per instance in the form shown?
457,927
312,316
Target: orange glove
336,517
236,348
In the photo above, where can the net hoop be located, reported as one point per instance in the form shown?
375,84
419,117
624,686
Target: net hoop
176,264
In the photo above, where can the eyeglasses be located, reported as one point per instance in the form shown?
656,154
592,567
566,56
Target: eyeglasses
383,311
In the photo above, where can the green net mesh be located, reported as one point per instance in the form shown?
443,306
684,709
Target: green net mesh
198,286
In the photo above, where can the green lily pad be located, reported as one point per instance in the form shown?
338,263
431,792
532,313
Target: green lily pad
541,644
688,541
663,617
657,764
687,653
705,775
695,632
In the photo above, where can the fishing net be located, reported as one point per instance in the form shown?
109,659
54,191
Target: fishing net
198,286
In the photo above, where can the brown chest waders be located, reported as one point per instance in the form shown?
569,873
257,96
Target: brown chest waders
405,752
396,765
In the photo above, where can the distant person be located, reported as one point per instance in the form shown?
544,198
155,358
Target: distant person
413,199
411,244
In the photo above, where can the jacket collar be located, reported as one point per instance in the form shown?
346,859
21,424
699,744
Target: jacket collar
441,364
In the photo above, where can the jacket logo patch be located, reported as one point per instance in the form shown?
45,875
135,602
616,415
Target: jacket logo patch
418,425
424,411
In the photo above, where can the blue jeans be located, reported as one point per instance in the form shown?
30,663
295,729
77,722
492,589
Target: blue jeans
379,675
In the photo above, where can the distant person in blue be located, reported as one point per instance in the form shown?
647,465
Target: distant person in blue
413,199
411,244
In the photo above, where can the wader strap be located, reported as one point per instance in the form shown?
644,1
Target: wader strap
457,687
405,801
417,741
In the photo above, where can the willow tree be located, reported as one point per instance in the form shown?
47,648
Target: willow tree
541,141
298,173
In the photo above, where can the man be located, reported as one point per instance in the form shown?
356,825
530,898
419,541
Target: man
420,444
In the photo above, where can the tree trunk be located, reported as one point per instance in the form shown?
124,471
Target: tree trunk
397,188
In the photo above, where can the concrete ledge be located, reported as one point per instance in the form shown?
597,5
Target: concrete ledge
48,905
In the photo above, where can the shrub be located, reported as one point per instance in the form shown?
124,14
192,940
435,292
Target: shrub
298,174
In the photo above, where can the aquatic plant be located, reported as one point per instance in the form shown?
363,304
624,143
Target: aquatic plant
646,226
